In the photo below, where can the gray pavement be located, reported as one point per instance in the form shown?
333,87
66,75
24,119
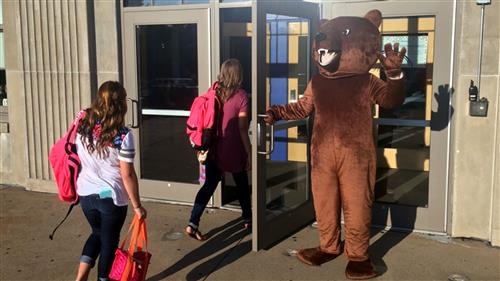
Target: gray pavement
26,253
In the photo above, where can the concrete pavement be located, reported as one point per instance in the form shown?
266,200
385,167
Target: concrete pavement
26,253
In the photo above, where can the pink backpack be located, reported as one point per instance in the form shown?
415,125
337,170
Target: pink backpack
201,124
66,166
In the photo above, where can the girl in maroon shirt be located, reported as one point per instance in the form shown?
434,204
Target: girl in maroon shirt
232,148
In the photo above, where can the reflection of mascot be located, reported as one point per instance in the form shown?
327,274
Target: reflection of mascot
342,148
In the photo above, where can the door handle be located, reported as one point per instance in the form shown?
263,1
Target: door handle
135,116
259,136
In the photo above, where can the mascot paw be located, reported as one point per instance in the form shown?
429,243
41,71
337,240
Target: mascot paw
315,257
360,270
392,60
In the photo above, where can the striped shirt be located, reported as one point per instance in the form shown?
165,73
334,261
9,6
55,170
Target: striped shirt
102,175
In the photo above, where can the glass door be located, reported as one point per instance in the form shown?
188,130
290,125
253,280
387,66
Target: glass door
281,66
412,140
235,41
166,67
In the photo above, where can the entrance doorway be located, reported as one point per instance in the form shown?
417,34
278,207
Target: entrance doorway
166,67
172,53
413,140
236,42
281,70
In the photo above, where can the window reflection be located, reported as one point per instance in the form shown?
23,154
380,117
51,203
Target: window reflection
165,2
287,65
403,134
136,3
139,3
165,151
168,66
236,40
3,80
167,62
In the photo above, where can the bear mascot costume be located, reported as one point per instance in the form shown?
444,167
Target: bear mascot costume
343,156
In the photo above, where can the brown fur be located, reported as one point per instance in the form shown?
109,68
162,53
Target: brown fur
360,270
315,256
343,157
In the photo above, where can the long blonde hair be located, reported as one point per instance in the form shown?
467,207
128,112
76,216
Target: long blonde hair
107,111
230,78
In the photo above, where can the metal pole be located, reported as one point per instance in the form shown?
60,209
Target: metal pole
480,51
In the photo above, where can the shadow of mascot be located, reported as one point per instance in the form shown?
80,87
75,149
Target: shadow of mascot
402,218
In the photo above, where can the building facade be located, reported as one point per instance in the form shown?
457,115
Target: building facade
438,167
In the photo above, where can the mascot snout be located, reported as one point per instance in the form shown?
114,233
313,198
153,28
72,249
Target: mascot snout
325,56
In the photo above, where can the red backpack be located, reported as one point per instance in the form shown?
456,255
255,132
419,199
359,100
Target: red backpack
201,124
66,166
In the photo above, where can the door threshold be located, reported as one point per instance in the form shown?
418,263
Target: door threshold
402,229
231,208
165,201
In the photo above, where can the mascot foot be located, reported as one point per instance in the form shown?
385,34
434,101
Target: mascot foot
314,256
360,270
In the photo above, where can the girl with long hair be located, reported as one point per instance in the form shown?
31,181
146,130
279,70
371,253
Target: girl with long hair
232,147
107,180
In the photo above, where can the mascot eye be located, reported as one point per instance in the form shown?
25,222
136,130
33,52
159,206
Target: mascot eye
346,31
320,37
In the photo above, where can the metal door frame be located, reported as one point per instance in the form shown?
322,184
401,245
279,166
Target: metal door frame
433,218
265,234
188,14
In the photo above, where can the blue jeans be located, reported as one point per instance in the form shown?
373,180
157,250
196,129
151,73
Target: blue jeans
106,220
213,176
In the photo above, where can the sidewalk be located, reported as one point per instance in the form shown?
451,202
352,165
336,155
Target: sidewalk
26,253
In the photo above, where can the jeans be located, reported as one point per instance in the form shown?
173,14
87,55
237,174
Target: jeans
106,220
213,176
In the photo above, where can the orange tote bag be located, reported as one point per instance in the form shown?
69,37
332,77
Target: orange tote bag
132,264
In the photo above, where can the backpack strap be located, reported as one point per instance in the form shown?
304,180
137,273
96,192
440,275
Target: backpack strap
71,135
70,142
51,236
218,111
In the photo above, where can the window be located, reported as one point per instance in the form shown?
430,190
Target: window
403,135
140,3
236,40
3,93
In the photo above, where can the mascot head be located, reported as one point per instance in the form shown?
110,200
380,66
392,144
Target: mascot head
347,46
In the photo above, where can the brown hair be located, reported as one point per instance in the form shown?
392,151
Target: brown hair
230,78
108,110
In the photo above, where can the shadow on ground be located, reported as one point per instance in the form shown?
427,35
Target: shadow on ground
217,240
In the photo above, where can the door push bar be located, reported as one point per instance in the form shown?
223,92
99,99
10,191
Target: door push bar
135,115
259,137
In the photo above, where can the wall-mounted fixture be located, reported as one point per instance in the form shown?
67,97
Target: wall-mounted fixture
478,106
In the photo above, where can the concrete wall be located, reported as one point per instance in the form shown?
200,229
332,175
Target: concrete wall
108,40
476,141
54,59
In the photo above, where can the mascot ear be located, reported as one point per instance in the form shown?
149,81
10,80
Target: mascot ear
321,22
375,17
